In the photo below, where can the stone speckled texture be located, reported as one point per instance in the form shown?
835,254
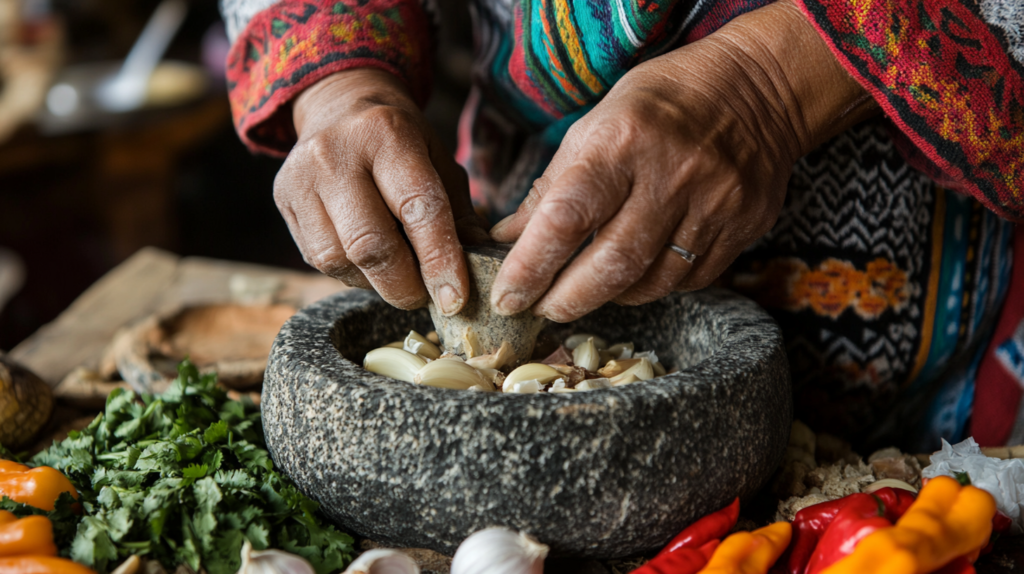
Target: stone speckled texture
599,474
519,330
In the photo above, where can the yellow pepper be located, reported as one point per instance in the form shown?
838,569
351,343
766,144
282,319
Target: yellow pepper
750,552
945,522
38,487
29,535
41,565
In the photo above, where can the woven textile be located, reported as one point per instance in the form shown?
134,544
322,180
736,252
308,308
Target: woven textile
885,270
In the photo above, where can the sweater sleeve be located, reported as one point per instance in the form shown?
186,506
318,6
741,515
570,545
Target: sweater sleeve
291,44
950,77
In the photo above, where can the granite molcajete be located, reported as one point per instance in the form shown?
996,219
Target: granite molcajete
600,473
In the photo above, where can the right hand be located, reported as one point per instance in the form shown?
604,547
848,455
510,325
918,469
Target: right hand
365,157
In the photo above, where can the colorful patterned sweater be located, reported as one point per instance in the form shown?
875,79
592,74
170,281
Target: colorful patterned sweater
885,279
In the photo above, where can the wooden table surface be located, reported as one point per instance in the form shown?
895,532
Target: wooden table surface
151,281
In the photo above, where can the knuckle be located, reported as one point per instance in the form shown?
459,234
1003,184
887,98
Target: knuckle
418,209
569,220
620,265
370,250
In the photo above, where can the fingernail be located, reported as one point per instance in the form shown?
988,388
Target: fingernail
449,300
501,225
510,304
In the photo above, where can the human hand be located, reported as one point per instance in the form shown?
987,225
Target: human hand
693,148
365,158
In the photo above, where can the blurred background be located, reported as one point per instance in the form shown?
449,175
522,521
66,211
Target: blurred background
153,162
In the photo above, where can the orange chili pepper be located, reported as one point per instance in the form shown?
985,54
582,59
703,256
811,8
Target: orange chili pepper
945,522
32,535
38,487
6,517
41,565
750,552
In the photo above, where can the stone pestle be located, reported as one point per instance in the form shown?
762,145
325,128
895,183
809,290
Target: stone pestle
491,329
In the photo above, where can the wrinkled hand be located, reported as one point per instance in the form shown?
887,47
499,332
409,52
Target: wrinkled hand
366,161
693,148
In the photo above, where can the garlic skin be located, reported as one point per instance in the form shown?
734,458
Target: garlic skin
382,561
499,551
272,562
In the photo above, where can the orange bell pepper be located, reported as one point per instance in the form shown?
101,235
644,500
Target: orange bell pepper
945,522
38,487
30,535
41,565
750,552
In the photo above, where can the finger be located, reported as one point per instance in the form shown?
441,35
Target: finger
511,228
583,198
314,234
619,256
413,191
708,267
371,241
670,268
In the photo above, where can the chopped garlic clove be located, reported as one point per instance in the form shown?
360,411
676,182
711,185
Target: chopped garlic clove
621,351
585,355
614,368
642,370
420,345
495,360
531,386
471,344
594,384
543,373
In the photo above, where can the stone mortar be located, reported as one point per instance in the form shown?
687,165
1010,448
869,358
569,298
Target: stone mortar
600,474
519,330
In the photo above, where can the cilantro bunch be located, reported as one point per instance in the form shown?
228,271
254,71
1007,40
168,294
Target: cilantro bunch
183,478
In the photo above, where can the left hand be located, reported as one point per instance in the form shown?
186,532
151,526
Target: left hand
692,148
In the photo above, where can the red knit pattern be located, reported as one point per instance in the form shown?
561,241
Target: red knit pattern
293,44
944,78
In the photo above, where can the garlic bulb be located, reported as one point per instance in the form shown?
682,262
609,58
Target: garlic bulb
272,562
383,561
499,551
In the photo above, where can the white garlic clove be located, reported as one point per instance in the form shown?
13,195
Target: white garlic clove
621,351
573,341
394,363
641,370
499,551
625,379
383,561
557,384
272,562
396,344
542,373
594,385
524,387
659,370
649,355
614,368
419,345
495,360
449,374
585,355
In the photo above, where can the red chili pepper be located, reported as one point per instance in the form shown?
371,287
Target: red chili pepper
711,527
809,525
861,515
895,500
682,561
1001,524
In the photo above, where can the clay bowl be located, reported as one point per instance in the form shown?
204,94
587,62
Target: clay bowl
600,474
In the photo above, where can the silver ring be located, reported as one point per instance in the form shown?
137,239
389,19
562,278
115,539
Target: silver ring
689,257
